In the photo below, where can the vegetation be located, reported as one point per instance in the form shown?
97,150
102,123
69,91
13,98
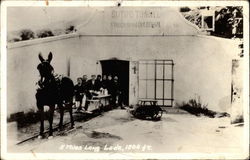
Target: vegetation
15,40
27,34
45,33
185,9
195,107
193,16
226,20
70,29
228,23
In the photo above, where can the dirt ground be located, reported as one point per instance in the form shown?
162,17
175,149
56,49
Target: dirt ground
118,131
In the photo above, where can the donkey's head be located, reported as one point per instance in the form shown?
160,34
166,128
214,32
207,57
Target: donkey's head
45,69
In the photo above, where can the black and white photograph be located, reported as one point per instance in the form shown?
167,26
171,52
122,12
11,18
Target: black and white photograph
119,79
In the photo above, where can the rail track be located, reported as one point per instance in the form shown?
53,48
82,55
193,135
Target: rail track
85,117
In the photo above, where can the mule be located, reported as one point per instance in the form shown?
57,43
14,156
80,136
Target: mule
53,91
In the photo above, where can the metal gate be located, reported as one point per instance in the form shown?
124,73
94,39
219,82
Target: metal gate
156,81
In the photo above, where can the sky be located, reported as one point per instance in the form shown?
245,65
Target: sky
86,19
42,17
36,18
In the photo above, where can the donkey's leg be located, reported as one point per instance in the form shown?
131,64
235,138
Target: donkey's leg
51,114
61,109
41,113
71,114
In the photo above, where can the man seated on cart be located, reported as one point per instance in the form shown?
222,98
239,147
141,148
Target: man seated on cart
91,89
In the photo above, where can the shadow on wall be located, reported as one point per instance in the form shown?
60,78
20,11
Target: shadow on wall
24,119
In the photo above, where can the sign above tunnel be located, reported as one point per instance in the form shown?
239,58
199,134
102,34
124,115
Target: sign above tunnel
147,18
137,21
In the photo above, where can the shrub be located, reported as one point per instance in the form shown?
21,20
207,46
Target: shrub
45,33
226,18
185,9
70,29
195,107
16,39
26,34
225,21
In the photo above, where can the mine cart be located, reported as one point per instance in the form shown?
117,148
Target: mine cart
148,108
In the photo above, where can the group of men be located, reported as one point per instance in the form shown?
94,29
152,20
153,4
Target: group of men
85,89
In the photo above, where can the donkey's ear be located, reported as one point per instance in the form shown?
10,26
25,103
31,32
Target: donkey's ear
50,56
40,57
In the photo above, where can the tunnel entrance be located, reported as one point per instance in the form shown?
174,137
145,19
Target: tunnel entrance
118,68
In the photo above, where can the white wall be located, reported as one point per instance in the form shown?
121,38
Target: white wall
237,89
202,64
22,73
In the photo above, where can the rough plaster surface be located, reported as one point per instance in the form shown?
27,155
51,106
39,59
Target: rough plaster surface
202,63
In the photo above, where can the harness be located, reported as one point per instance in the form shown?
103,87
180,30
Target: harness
43,83
53,86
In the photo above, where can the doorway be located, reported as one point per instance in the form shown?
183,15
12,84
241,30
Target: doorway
118,68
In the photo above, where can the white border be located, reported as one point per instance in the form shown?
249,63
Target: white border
6,155
246,76
124,3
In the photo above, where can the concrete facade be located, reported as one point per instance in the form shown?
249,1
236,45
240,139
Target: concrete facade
237,91
202,63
